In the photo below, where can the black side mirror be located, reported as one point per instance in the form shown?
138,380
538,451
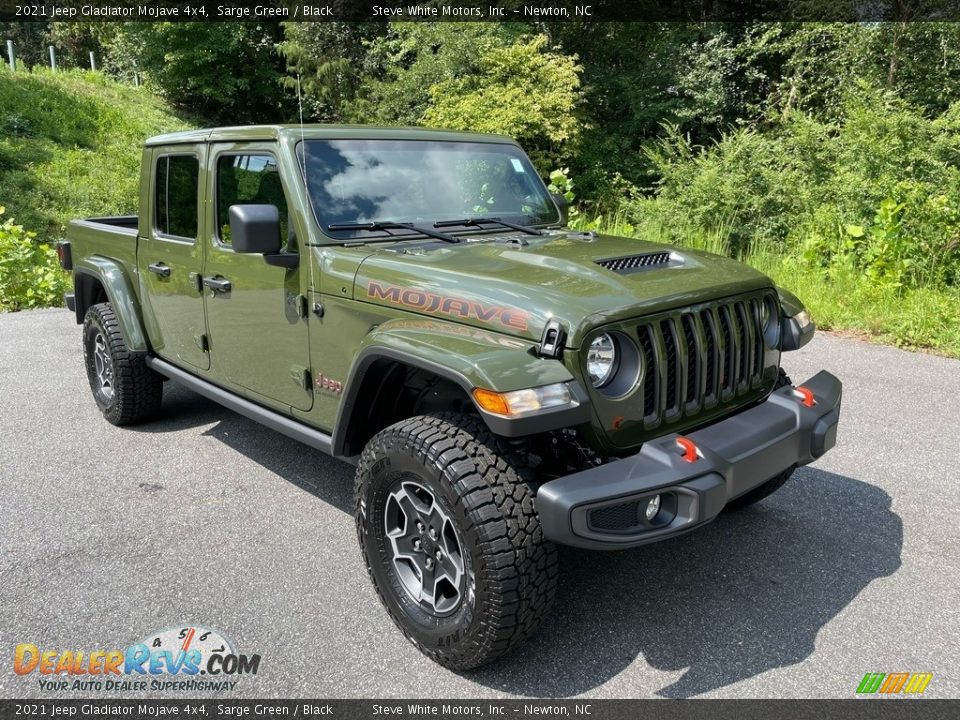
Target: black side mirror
255,229
563,206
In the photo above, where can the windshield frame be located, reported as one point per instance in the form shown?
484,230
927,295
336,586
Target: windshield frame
361,235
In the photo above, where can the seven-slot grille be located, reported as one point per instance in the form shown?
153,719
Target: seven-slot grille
632,263
696,358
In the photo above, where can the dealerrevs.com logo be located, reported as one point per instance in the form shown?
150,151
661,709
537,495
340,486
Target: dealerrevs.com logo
189,658
897,683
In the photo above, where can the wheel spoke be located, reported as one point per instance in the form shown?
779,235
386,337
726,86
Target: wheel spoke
409,509
403,548
103,365
424,547
420,499
451,546
428,586
452,568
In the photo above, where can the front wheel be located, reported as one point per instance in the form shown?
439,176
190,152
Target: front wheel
452,542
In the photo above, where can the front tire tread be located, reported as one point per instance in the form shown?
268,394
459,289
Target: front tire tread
494,484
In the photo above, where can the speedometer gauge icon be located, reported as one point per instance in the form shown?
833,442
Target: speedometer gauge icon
190,637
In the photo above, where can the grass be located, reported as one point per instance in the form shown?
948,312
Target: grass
926,318
70,144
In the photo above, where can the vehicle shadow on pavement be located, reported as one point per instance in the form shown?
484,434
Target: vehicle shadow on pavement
746,594
183,409
303,466
743,595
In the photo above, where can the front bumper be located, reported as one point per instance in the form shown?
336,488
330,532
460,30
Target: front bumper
602,508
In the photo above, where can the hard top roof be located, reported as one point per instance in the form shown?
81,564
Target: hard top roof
245,133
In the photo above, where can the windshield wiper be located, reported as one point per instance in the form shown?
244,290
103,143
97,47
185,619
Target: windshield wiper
385,225
476,222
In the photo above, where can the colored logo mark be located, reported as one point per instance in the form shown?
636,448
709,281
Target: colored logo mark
894,683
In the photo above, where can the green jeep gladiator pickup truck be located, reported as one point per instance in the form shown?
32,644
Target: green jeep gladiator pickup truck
412,301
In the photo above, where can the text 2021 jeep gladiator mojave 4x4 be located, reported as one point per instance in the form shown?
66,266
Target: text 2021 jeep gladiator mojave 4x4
412,301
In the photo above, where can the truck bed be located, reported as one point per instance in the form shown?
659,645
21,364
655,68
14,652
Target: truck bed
113,237
122,223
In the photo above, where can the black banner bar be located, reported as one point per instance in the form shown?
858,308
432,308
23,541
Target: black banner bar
480,10
854,709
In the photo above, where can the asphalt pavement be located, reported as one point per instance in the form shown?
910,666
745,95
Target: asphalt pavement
205,519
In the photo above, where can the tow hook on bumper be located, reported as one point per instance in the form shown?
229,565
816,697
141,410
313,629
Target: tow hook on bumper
694,476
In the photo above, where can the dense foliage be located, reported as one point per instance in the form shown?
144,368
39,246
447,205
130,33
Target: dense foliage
876,189
496,99
29,274
827,153
70,146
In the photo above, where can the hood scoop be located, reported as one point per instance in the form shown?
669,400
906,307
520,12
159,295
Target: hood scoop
643,261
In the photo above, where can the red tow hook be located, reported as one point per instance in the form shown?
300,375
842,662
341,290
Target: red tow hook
805,395
690,453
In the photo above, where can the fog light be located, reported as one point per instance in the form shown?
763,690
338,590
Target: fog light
653,507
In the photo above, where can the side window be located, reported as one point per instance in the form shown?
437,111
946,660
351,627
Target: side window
175,195
248,180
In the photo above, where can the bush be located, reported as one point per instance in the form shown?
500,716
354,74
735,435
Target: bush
738,186
30,275
524,90
874,191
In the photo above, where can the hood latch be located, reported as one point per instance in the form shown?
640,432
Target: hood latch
551,342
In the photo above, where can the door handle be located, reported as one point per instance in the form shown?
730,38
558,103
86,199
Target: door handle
217,284
159,268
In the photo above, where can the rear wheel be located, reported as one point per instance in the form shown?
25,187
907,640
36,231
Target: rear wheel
774,483
449,532
124,388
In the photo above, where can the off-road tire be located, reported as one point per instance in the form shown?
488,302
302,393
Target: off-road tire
136,391
774,483
486,488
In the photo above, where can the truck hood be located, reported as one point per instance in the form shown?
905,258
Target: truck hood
514,288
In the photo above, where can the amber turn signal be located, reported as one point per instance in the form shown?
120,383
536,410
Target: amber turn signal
491,401
524,402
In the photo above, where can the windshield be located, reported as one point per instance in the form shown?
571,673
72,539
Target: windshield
420,182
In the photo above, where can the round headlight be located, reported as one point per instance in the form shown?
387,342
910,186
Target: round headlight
601,360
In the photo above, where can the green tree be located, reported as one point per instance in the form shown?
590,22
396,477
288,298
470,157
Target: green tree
637,76
401,65
30,41
820,61
524,90
75,41
328,57
225,73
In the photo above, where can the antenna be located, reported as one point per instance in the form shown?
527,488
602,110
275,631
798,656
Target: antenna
306,184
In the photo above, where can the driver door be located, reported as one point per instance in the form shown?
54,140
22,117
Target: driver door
258,331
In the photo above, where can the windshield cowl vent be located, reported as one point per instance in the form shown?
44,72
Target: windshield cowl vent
644,261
